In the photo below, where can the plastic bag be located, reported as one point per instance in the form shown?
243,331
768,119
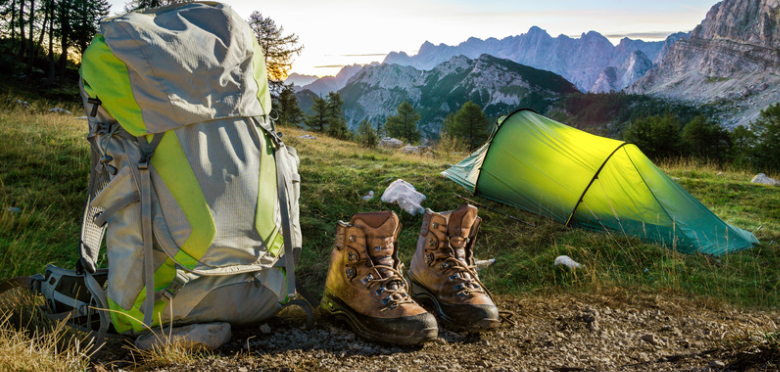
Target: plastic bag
404,194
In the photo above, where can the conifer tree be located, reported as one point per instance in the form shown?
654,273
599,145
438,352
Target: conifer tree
318,120
366,135
278,49
767,131
447,125
287,107
470,125
336,123
404,124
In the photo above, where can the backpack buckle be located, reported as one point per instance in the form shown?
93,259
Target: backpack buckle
146,157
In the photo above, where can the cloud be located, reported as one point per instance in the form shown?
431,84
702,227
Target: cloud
365,55
330,66
642,35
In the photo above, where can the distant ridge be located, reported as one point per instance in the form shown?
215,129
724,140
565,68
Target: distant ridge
580,60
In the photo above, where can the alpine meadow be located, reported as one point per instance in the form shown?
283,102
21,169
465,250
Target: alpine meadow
563,280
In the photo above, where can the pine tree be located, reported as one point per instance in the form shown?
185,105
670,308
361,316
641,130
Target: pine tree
318,120
277,48
470,125
706,139
404,125
287,107
366,135
447,125
657,136
337,124
767,131
86,20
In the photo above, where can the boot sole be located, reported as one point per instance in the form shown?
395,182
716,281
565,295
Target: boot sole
359,323
423,295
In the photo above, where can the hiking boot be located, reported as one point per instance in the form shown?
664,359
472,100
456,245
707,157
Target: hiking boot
365,286
443,271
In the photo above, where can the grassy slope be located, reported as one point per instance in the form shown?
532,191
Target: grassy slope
43,171
44,166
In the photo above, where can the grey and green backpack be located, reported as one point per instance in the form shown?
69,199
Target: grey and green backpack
191,186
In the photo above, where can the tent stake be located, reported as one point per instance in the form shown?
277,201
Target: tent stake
495,211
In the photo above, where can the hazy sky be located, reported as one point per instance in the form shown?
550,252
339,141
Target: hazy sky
341,32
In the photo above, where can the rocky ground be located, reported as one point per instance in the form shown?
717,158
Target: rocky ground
605,332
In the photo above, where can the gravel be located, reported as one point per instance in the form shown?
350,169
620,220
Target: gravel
612,331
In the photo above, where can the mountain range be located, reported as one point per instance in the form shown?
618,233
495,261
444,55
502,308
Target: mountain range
731,60
497,85
580,60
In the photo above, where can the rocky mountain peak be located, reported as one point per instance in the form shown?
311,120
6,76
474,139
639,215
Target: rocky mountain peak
732,58
755,22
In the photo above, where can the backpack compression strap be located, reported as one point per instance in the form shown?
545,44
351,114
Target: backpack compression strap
147,150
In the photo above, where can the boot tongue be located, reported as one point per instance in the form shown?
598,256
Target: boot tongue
380,229
459,226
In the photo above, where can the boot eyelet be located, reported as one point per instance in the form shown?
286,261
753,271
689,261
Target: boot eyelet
352,238
350,272
444,266
377,248
435,225
428,258
454,276
458,287
352,256
431,243
367,279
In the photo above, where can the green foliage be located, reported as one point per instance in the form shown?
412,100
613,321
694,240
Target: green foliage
706,140
657,136
286,105
767,139
318,120
337,124
366,135
404,125
470,126
278,49
619,109
447,126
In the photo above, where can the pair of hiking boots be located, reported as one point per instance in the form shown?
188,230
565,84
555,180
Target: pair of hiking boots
366,288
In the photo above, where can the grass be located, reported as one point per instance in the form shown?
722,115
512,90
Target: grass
43,180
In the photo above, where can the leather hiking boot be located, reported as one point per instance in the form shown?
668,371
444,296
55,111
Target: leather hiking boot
365,287
443,272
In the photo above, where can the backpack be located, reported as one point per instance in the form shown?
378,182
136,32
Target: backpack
191,186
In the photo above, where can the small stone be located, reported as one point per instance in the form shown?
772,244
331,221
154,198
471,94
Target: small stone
717,364
650,339
243,369
265,329
483,363
208,336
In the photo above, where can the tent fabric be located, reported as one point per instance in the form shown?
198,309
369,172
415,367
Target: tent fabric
583,180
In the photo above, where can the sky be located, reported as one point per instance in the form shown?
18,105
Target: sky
336,33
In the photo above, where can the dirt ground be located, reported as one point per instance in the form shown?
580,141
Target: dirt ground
605,332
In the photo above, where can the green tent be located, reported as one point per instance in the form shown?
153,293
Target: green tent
579,179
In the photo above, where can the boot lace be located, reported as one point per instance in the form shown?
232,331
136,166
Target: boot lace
465,284
379,279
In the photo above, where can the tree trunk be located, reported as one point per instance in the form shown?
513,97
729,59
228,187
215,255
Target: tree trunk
45,5
13,24
52,7
32,51
65,27
23,44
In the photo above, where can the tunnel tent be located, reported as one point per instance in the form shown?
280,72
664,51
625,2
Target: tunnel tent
583,180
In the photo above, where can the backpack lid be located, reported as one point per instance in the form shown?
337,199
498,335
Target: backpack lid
184,64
